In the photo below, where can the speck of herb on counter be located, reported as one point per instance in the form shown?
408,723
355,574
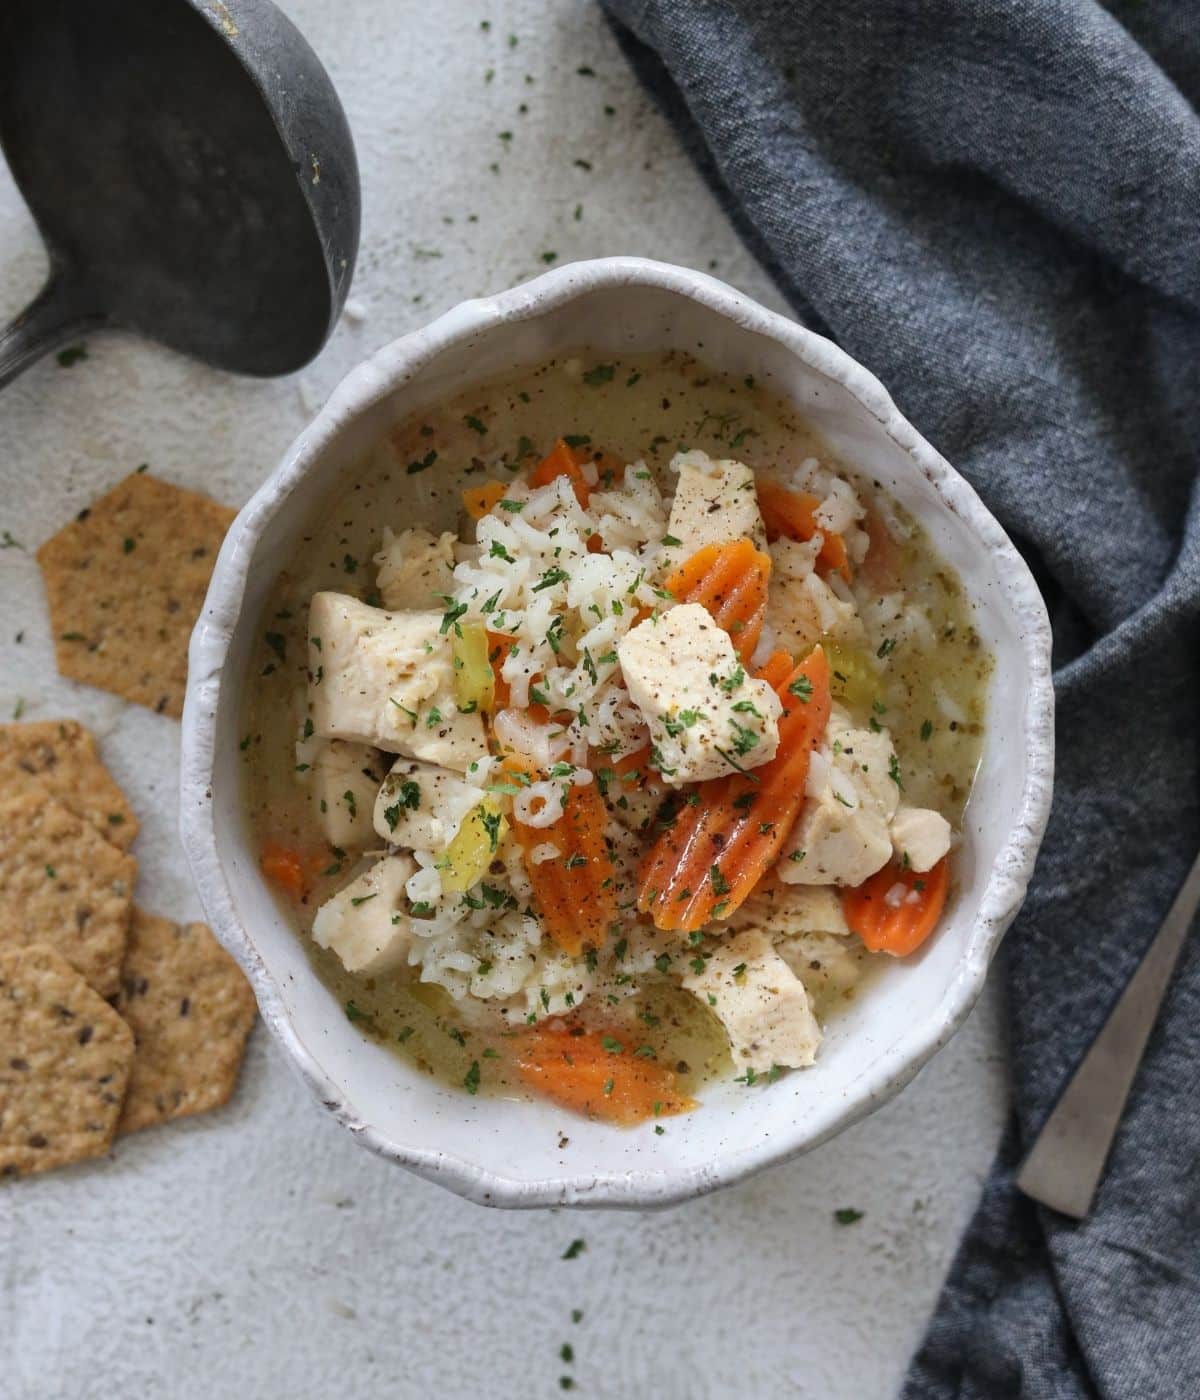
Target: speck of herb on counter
574,1249
847,1215
71,355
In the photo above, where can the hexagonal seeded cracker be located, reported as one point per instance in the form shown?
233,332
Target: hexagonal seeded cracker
62,883
62,755
191,1010
64,1067
126,581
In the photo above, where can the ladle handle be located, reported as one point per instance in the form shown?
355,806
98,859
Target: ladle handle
57,314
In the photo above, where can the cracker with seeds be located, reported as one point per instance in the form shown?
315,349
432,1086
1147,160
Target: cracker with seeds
126,581
62,755
191,1010
64,1064
62,883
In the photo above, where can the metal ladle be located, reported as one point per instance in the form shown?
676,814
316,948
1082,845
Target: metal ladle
191,170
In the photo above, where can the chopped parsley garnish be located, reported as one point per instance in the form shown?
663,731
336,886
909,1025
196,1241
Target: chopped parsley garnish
278,644
886,647
719,883
450,617
470,420
356,1013
363,898
491,824
926,731
549,579
802,689
601,374
498,551
743,739
471,1078
614,1047
513,507
894,772
422,464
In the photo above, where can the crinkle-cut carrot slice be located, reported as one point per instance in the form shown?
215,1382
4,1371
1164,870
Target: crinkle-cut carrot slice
563,460
730,580
792,514
729,831
897,926
479,500
575,890
595,1075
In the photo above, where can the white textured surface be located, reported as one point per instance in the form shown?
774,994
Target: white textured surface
259,1251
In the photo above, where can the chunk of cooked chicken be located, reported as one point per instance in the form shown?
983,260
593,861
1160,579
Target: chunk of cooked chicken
920,836
706,714
842,835
367,923
421,806
344,780
416,569
387,679
793,909
715,502
760,1001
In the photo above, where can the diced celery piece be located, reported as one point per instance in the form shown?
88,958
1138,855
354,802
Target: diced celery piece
473,849
474,684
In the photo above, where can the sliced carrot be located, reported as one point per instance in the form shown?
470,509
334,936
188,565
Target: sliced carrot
288,868
706,863
563,460
777,668
478,500
499,645
899,927
575,891
792,515
730,580
595,1075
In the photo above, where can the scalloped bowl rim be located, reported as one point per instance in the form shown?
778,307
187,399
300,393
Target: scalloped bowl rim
377,377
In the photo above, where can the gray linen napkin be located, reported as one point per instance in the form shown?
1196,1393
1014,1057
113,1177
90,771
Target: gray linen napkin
995,205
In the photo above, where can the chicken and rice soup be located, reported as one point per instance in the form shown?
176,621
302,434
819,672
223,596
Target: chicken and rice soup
608,734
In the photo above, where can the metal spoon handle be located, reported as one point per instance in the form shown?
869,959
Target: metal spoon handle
53,317
1064,1165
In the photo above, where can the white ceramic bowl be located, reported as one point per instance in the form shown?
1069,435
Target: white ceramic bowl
503,1152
